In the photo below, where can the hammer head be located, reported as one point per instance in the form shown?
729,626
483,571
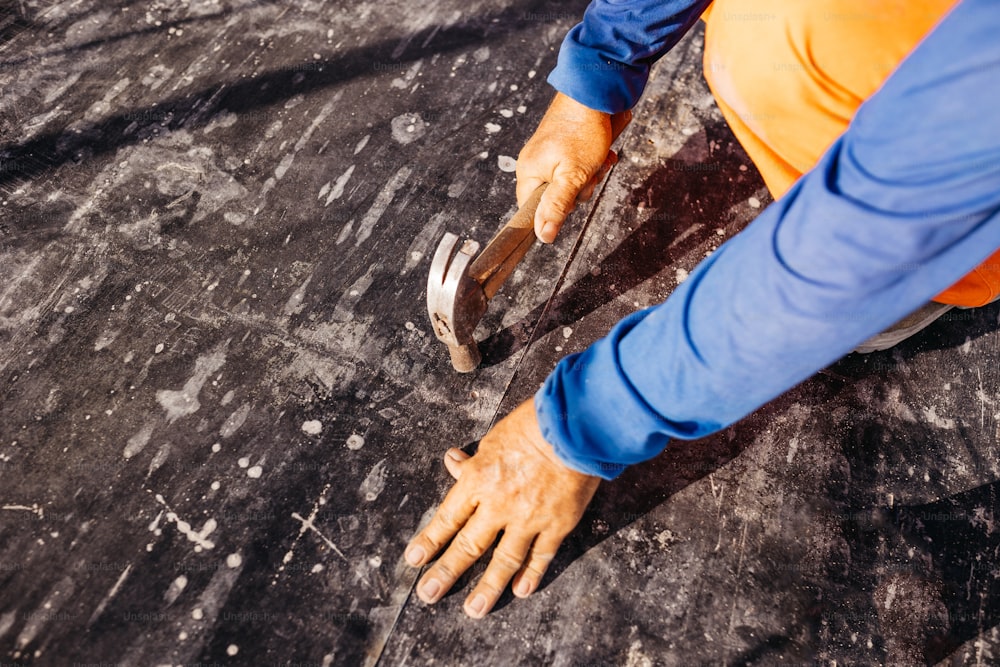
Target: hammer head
455,301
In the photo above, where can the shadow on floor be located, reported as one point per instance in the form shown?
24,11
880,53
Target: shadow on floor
53,149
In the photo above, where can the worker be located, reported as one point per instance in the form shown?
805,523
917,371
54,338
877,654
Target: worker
876,127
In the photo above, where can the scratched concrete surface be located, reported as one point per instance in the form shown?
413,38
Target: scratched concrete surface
222,409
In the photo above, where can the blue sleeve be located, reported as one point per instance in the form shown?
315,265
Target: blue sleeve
903,204
604,61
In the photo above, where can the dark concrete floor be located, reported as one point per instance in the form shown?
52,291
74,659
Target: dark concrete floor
222,409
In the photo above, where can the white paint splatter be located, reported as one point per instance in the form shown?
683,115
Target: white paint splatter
161,456
255,472
408,127
355,442
200,537
931,415
793,446
381,203
492,128
307,524
506,163
567,332
47,611
361,144
232,649
312,427
754,202
175,589
139,441
235,421
234,560
506,113
34,508
374,483
338,187
183,402
680,275
243,461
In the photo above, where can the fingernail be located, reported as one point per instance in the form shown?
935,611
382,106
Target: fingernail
415,555
478,605
432,588
548,232
453,455
523,588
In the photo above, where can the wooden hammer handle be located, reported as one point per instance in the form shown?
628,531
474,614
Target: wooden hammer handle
503,253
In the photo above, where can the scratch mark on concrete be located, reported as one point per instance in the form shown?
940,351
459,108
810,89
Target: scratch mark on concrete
110,595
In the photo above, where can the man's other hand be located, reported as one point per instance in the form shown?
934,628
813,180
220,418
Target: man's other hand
515,484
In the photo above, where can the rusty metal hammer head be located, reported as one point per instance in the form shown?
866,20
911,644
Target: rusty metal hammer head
456,301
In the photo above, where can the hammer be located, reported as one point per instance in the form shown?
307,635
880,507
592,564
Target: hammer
460,284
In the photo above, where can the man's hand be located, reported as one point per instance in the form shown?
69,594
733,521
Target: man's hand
515,484
570,150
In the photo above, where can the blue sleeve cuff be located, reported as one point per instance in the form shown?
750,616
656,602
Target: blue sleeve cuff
604,61
625,430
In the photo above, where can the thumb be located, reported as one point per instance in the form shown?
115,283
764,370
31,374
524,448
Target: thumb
453,460
557,202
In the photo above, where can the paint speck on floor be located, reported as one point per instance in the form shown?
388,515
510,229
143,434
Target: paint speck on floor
754,202
567,332
506,163
355,442
374,483
492,128
243,461
680,275
233,561
312,427
255,472
232,649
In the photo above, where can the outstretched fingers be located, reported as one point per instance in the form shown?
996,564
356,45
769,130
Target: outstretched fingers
465,549
507,559
529,576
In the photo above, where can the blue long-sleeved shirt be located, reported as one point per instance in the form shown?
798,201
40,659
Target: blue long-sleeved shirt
901,206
